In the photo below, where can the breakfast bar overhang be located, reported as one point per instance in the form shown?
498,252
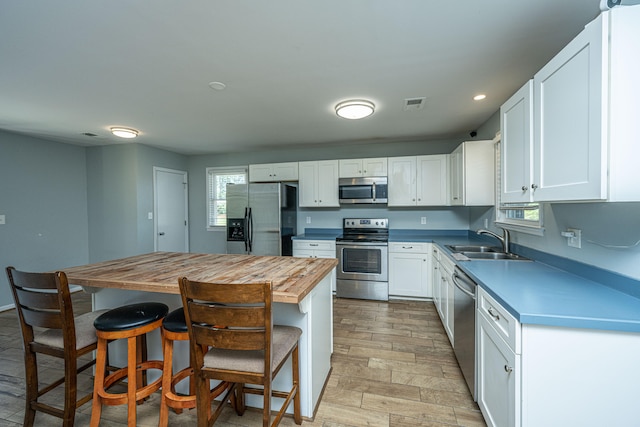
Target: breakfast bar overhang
302,295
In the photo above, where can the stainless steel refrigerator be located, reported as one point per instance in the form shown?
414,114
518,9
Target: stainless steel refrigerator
261,218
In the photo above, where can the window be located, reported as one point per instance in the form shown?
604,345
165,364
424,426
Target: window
217,180
523,217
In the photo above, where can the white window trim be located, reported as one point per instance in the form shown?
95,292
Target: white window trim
217,171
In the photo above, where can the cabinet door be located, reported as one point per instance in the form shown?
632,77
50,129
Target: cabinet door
570,149
374,167
285,171
432,174
435,283
261,173
457,175
307,185
327,182
350,168
402,181
516,124
409,274
498,378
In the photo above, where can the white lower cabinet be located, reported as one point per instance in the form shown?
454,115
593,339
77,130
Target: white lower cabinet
316,249
498,377
409,269
446,267
533,375
435,279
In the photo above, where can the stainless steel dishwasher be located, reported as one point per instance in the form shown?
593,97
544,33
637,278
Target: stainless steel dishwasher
464,326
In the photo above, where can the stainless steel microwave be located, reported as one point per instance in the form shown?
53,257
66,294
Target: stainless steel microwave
363,190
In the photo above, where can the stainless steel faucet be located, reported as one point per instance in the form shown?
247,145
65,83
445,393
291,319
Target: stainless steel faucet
505,239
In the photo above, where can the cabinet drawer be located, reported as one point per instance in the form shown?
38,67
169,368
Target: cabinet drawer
409,247
321,245
504,324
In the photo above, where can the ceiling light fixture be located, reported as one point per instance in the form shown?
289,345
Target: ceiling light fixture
355,109
479,97
124,132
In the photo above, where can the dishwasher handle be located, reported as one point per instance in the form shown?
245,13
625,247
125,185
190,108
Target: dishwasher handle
460,280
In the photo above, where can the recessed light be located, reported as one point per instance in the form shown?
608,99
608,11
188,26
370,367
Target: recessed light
355,109
479,97
124,132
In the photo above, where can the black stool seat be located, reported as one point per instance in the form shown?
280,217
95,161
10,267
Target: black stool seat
175,321
130,316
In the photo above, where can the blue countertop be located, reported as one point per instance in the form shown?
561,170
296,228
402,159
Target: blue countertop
556,292
319,234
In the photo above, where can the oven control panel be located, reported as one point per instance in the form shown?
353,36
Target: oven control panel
366,223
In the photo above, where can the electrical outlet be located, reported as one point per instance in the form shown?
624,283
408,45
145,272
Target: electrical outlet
576,240
1,219
423,220
308,220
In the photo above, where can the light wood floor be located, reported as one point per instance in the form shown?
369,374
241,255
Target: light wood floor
392,366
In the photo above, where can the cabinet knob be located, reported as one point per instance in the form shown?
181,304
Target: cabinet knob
534,186
508,369
524,188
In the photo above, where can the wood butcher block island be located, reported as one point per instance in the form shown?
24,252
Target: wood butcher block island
302,295
292,278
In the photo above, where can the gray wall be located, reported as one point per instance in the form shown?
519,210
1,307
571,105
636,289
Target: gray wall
43,194
120,179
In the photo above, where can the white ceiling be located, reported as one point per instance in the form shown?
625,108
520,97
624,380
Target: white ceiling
70,67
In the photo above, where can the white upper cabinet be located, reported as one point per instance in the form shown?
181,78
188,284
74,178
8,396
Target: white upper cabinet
270,172
582,128
418,180
355,168
569,150
318,184
473,174
402,181
516,124
432,185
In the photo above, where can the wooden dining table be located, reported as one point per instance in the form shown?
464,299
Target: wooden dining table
302,295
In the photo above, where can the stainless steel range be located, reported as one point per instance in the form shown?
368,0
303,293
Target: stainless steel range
362,252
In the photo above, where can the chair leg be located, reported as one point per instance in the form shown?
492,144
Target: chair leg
203,403
101,361
266,411
240,407
70,390
132,377
167,374
31,395
295,366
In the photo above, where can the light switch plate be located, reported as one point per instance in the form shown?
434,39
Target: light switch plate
2,219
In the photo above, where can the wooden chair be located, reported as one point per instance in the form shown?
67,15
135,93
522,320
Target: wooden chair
250,349
43,300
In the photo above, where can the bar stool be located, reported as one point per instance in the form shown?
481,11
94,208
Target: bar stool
131,322
174,328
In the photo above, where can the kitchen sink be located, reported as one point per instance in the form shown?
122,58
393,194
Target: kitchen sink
493,255
473,248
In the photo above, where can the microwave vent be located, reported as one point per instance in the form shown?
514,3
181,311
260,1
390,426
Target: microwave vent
414,103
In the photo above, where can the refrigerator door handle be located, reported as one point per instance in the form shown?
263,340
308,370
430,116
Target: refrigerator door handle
250,234
246,236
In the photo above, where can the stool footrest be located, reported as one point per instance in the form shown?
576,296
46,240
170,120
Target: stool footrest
113,399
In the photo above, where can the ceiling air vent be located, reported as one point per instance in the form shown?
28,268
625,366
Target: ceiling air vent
414,103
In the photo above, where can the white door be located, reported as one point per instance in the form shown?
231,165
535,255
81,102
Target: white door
170,210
